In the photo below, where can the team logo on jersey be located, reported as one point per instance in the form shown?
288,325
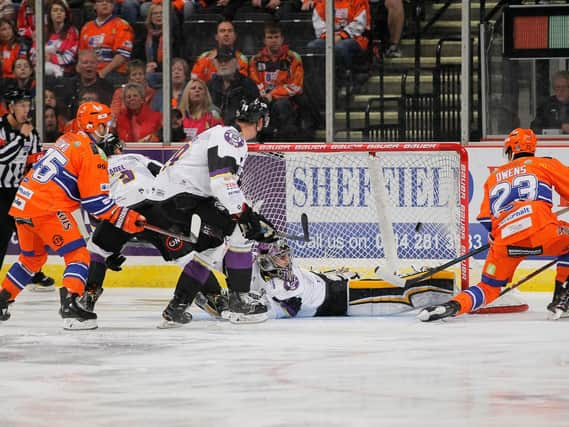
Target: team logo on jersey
64,220
291,286
57,240
234,138
491,269
174,244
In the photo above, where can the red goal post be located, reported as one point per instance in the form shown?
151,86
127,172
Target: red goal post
394,205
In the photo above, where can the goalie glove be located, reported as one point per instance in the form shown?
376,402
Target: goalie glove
127,220
255,226
290,305
340,274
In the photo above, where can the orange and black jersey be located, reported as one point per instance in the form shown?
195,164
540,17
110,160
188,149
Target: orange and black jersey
280,77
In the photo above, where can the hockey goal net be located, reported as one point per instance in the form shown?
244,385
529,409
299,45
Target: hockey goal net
392,206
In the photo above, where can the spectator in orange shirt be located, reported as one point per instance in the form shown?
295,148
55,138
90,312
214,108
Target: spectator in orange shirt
138,123
12,47
207,65
279,75
111,37
136,71
351,22
199,113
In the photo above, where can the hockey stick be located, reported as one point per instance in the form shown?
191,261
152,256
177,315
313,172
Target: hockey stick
401,281
529,276
305,235
195,227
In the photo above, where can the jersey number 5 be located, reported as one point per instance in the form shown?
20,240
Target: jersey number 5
48,166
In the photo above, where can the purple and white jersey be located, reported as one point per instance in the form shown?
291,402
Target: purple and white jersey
208,166
129,178
306,285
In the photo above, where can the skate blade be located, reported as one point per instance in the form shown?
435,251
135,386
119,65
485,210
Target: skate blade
40,288
432,315
167,324
79,325
240,318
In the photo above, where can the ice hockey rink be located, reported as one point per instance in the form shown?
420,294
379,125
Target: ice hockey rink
491,370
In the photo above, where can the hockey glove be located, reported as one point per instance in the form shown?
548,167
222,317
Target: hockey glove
290,305
114,261
255,226
127,220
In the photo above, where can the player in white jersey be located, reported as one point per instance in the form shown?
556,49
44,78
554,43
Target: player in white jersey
201,178
130,177
292,291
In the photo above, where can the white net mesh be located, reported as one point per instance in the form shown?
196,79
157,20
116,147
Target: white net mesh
350,222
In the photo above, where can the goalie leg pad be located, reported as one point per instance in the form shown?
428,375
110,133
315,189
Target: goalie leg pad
336,299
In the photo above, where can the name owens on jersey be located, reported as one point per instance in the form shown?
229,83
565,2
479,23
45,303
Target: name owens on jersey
72,173
518,197
16,152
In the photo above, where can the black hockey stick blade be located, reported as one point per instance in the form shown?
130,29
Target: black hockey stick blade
305,235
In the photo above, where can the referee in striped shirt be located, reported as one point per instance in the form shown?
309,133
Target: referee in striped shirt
19,148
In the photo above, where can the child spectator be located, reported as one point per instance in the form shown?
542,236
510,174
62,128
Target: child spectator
135,74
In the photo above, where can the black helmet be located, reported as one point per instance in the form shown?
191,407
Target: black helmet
110,143
251,112
16,94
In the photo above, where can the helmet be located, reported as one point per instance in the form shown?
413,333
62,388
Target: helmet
91,114
520,141
272,262
15,94
251,112
110,143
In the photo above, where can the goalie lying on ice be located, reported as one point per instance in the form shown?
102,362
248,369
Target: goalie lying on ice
292,291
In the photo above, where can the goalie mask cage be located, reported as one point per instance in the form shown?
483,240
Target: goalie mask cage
389,205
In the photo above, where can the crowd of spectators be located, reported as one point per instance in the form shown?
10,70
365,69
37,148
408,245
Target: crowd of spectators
112,52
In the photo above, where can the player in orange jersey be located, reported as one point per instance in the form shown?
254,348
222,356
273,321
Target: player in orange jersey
517,211
72,174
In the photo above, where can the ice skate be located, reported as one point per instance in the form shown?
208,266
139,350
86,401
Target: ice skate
437,312
561,308
175,314
244,308
4,303
41,283
90,298
216,305
74,316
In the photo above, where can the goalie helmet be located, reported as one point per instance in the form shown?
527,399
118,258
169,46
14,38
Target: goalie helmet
275,260
92,114
110,143
520,140
251,112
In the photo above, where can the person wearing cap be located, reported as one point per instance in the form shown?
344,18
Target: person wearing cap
228,87
207,63
20,147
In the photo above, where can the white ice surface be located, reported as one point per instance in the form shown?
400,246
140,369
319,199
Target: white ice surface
493,370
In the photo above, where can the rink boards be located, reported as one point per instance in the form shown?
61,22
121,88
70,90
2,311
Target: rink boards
145,269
